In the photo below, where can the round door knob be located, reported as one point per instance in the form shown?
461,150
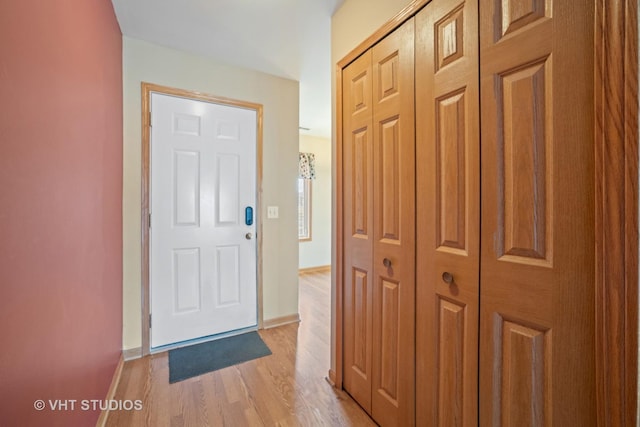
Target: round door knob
447,277
248,236
386,262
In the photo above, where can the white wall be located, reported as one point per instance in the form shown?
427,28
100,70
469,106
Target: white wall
351,25
151,63
317,251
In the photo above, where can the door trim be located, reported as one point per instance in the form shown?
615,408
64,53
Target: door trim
616,196
146,90
616,139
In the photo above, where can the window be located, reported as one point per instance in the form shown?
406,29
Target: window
304,209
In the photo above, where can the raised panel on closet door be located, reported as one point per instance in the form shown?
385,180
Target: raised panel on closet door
394,229
448,208
537,257
358,228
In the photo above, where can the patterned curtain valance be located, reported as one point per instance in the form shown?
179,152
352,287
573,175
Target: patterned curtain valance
307,166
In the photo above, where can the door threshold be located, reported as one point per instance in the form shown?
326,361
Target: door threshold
163,348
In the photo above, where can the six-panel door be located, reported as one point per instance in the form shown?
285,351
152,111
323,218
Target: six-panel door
358,229
448,206
203,254
394,286
537,302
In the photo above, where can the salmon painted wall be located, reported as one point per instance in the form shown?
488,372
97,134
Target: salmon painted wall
60,207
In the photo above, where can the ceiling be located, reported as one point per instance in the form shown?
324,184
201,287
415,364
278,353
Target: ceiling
286,38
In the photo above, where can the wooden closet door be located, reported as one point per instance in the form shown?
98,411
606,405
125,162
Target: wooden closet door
358,229
394,229
537,257
448,212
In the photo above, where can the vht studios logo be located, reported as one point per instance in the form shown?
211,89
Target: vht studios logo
88,405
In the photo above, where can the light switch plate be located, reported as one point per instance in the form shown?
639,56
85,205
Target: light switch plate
272,212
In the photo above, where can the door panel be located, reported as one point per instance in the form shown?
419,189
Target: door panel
227,196
389,349
230,287
186,279
358,218
361,324
389,183
393,374
203,175
537,270
450,171
448,211
186,188
523,193
451,361
524,373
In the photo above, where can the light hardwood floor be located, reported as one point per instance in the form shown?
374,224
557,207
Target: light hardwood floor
287,388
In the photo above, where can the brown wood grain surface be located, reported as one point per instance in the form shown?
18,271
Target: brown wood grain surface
553,94
448,212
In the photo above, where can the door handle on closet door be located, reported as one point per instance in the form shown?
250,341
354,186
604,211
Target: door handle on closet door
447,277
386,262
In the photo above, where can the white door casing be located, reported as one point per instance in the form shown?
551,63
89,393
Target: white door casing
203,278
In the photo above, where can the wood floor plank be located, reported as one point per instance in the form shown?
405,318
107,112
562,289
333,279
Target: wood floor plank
285,389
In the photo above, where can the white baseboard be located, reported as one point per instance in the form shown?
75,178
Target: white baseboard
280,321
317,269
132,353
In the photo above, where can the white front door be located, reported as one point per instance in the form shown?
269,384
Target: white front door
203,219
